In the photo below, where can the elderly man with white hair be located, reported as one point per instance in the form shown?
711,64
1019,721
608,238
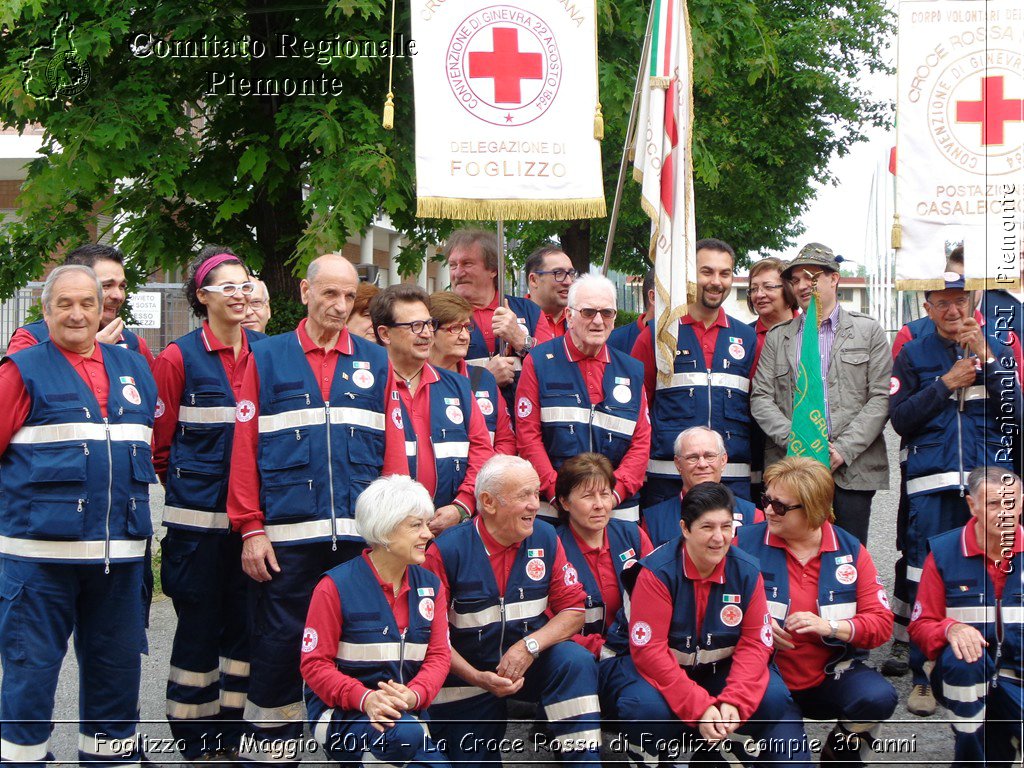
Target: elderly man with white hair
577,394
75,470
515,603
700,457
375,648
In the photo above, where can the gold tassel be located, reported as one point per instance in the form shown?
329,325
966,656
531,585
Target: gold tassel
598,123
388,121
389,112
897,232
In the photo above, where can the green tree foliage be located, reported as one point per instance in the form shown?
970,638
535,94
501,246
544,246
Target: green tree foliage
168,148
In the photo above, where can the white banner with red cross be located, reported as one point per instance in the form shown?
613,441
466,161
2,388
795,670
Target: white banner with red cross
507,110
960,133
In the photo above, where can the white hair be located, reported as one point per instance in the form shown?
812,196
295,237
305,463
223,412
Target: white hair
995,476
591,281
492,474
686,434
59,272
386,502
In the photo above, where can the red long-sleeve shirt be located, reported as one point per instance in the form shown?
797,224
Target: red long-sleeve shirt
169,372
482,319
17,403
631,473
804,666
561,596
244,481
22,339
748,676
707,338
396,462
929,625
504,435
334,687
600,560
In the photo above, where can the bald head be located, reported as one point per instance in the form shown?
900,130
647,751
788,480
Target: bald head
328,291
330,263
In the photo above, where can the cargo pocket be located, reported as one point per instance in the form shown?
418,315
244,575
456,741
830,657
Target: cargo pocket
58,518
179,579
12,643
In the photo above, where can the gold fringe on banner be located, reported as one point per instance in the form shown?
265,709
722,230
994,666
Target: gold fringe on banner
920,284
992,284
468,209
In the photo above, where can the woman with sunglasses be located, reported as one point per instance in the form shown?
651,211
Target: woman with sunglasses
198,377
454,316
827,604
599,546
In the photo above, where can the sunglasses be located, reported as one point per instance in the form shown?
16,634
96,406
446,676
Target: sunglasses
589,313
776,506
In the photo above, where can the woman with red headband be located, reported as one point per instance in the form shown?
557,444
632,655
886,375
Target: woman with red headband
198,378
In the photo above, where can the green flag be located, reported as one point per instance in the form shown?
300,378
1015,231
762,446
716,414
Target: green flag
808,435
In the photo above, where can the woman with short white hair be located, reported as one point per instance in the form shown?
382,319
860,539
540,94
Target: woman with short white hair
375,651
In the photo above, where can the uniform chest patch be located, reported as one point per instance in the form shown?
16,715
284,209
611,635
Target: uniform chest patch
536,569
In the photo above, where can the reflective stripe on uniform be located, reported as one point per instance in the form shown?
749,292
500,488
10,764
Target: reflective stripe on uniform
268,717
23,753
1012,614
935,482
914,574
736,471
837,611
306,417
778,610
702,656
974,614
617,424
579,741
664,467
192,679
196,518
71,550
527,609
581,705
381,651
630,514
452,450
596,613
107,746
232,699
562,413
234,667
179,711
322,724
195,415
58,433
457,693
311,529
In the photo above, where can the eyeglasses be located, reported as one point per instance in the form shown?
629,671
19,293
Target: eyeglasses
229,289
417,326
942,306
560,275
257,303
805,274
777,506
456,329
694,458
765,288
589,313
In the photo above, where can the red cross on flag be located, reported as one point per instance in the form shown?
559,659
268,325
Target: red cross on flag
506,97
960,141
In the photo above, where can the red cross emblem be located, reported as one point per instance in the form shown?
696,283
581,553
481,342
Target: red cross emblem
506,65
641,633
524,407
309,640
992,112
245,410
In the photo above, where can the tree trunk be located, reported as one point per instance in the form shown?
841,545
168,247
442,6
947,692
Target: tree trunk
575,239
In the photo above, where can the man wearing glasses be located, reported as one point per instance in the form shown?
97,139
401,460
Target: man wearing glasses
577,395
549,273
856,366
700,457
309,437
950,392
435,432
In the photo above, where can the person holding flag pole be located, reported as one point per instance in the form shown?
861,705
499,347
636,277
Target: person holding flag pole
853,364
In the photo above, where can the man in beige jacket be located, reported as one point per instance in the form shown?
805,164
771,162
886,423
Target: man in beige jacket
856,366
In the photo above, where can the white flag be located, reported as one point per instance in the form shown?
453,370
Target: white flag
664,166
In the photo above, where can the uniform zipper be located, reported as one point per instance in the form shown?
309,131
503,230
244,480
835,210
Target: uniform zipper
110,500
330,474
401,656
501,637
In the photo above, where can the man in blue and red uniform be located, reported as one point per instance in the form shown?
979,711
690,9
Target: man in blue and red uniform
309,437
624,337
108,264
969,619
700,457
710,383
504,572
436,433
577,395
75,470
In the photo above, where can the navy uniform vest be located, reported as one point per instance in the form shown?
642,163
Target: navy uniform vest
717,639
950,444
836,601
528,315
316,457
971,599
718,399
485,389
482,623
661,520
451,404
371,648
624,337
41,333
74,486
623,548
200,455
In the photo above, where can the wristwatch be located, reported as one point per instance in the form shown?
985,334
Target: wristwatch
835,628
529,344
532,646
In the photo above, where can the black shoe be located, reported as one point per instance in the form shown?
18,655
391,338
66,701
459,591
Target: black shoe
898,664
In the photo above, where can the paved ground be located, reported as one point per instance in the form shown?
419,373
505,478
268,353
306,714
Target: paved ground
914,741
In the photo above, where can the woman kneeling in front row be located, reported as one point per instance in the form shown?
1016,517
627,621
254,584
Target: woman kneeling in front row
375,648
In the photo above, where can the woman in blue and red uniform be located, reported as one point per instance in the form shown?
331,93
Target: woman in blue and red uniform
198,378
599,546
699,647
375,649
828,607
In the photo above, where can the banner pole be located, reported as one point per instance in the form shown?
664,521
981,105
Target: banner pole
501,348
630,131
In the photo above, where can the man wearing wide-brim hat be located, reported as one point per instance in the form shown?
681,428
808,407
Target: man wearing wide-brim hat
856,366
